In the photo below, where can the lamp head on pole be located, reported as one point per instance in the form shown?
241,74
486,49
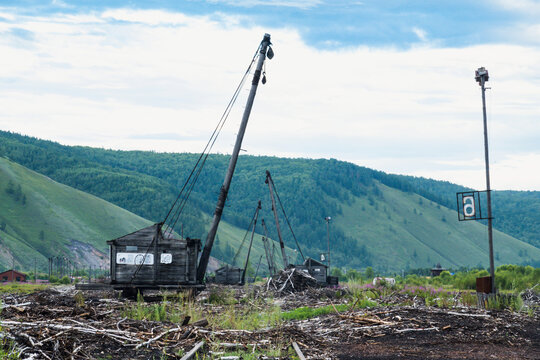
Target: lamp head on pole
481,73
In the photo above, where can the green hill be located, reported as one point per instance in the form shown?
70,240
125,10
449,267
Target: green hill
40,218
416,232
407,221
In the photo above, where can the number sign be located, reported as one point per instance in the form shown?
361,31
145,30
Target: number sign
469,205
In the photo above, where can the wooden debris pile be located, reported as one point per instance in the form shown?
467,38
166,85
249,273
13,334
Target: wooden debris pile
63,325
429,327
290,281
66,325
531,298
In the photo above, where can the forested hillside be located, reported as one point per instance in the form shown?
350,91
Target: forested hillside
146,183
516,212
40,218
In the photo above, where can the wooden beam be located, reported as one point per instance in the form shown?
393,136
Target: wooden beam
192,352
298,351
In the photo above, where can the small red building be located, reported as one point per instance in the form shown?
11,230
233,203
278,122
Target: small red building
12,275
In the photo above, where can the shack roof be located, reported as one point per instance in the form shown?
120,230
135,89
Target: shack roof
146,233
13,271
312,262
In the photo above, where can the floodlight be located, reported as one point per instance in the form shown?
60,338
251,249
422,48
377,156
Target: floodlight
481,73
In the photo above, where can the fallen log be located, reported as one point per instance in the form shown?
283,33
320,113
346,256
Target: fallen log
192,352
298,351
154,339
414,329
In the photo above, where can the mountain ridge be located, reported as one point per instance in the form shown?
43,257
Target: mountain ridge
311,189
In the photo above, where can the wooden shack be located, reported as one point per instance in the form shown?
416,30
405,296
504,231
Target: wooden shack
316,269
437,270
146,259
229,275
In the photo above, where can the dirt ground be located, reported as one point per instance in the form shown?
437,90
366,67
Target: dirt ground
59,324
501,335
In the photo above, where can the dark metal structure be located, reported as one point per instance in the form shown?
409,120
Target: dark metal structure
152,258
315,268
271,187
201,270
233,275
482,76
267,251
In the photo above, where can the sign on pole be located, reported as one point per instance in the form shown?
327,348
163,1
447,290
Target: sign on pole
469,205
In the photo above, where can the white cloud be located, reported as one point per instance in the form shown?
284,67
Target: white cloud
116,79
422,34
61,4
150,17
302,4
530,7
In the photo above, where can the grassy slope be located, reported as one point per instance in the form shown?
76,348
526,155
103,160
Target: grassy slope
65,214
392,230
62,213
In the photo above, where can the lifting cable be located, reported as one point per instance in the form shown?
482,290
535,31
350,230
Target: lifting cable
286,218
197,168
183,196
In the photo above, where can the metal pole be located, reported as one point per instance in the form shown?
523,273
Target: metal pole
257,271
243,280
327,219
482,76
205,256
269,258
270,183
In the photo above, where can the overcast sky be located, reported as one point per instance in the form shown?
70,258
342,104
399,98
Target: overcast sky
384,84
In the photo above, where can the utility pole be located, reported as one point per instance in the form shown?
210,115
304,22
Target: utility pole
482,77
205,256
327,219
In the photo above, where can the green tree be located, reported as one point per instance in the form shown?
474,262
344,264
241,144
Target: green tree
10,189
337,272
369,272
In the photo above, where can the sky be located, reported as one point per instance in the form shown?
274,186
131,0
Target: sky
383,84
